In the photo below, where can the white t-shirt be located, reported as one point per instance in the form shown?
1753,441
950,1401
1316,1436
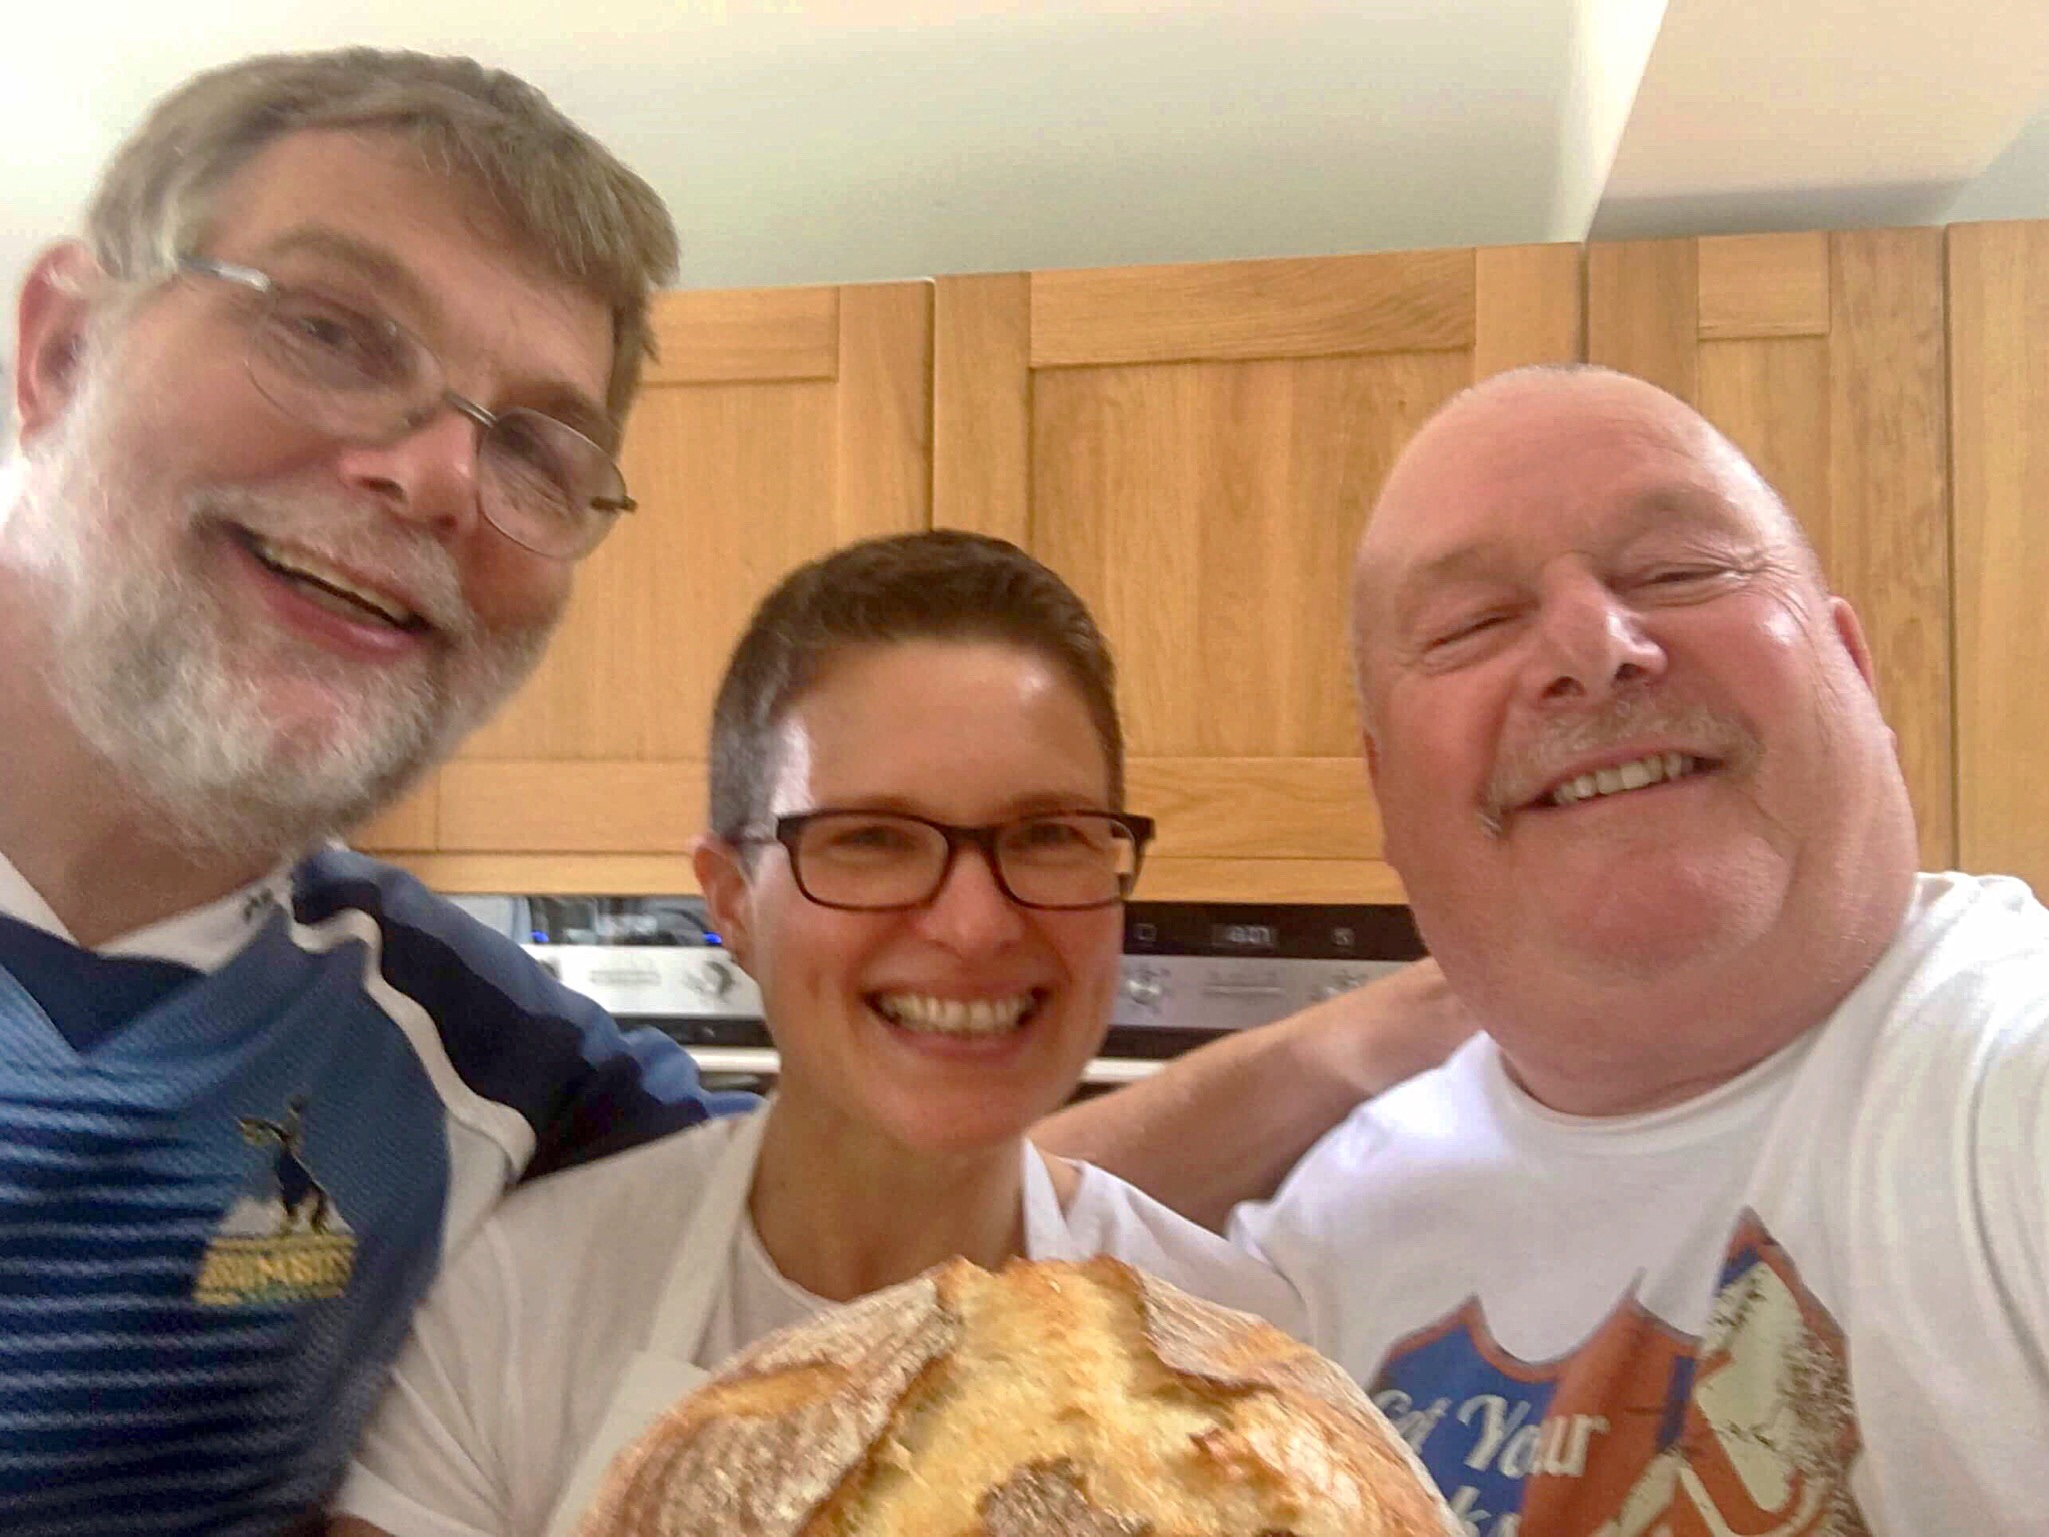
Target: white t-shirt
1814,1296
516,1353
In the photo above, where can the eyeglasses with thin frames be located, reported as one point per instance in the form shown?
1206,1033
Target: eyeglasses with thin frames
873,861
362,377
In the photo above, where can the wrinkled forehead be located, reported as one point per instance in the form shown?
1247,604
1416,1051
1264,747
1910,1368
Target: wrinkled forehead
1504,479
371,208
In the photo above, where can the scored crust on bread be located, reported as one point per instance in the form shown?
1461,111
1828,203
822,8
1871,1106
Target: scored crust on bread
1048,1400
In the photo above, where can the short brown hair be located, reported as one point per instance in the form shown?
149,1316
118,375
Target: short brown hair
564,195
941,585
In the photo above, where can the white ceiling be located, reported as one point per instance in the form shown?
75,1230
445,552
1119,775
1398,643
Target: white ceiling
843,140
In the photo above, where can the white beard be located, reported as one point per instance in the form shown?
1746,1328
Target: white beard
146,661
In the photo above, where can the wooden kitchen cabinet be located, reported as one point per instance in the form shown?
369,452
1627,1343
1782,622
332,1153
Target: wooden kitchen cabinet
1195,449
1823,357
1999,405
776,425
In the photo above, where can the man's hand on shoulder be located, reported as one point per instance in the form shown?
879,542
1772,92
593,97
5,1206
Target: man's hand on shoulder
1227,1122
1364,1042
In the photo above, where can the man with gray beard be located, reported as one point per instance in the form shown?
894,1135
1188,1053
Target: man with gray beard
314,425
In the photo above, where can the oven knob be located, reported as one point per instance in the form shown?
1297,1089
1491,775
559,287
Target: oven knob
1144,989
713,980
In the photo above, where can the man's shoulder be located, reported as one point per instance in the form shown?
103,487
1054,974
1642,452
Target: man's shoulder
467,979
508,1030
1440,1102
1436,1115
337,883
1954,1017
1999,913
1972,954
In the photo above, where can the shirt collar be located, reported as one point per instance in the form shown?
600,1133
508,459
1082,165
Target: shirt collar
205,938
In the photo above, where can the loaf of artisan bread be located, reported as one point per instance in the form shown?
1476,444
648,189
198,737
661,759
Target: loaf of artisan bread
1050,1400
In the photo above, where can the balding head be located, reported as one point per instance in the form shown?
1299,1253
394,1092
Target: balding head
1625,743
1504,428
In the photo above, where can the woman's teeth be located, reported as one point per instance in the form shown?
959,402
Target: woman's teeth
926,1015
1625,776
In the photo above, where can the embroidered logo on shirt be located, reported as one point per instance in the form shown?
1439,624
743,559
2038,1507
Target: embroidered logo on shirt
1642,1430
284,1240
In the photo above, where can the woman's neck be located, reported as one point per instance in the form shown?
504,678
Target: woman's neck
843,1210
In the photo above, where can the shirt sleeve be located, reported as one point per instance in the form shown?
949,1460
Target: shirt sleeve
1108,1216
432,1461
512,1032
632,1087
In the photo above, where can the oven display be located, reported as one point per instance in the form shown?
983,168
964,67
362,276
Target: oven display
1245,938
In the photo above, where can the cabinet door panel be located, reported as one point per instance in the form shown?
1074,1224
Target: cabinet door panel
1208,512
1406,301
407,824
1753,286
1257,808
740,478
1999,314
1196,449
554,807
1822,357
777,425
738,484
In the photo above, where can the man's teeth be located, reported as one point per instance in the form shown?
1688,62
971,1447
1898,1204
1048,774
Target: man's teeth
1633,775
954,1016
310,568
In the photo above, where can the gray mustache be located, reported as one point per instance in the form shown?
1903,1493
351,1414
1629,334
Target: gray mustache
1534,766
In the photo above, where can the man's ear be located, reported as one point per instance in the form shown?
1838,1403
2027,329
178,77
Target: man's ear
1370,749
722,877
1850,631
49,336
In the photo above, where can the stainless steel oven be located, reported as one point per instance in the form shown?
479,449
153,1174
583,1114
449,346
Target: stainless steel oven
1197,970
1192,971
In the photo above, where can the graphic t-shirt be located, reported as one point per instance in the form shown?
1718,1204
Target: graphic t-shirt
1814,1301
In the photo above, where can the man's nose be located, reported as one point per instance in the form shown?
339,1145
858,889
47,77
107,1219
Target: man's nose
428,476
970,912
1591,644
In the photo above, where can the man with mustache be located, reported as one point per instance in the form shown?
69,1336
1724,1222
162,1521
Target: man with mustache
1736,1217
314,426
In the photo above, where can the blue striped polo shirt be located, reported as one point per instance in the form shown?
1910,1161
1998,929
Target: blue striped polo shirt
229,1170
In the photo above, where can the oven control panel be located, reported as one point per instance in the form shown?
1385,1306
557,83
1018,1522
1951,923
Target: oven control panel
1197,992
651,982
1191,970
1195,969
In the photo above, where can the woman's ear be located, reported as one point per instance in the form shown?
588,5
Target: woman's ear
722,877
50,334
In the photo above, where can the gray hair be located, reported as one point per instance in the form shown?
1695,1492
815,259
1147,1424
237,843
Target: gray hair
567,199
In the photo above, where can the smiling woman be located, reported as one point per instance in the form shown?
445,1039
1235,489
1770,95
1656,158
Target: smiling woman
918,850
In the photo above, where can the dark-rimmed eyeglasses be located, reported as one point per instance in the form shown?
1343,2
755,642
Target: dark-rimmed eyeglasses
875,861
361,377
